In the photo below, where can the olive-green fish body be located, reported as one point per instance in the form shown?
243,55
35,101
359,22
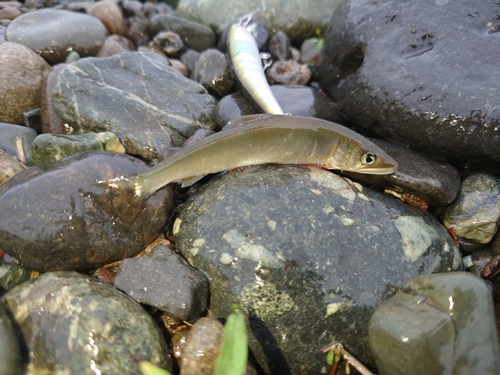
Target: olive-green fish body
268,140
247,67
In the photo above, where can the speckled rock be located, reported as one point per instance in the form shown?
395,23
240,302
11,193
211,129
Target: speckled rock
10,355
136,95
437,324
81,326
9,141
296,100
194,35
164,280
212,71
110,14
48,148
433,181
299,19
52,33
475,214
21,79
12,275
307,255
9,166
415,73
288,73
169,43
57,217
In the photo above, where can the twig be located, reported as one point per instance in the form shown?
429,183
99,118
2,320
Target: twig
339,351
20,149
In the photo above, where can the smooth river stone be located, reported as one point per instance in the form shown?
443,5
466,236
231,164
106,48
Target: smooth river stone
136,95
422,73
78,325
307,255
53,33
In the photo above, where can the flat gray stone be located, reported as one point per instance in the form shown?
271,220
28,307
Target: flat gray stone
307,255
136,95
52,33
420,73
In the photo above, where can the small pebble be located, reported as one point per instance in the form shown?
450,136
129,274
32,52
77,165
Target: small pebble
288,73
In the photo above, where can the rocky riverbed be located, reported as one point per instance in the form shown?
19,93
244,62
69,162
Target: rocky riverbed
402,269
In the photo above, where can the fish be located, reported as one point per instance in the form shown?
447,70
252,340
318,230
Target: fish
264,139
246,65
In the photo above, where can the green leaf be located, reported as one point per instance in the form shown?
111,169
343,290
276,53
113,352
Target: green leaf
147,368
232,359
329,357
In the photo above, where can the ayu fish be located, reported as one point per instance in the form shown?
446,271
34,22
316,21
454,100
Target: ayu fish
245,61
264,139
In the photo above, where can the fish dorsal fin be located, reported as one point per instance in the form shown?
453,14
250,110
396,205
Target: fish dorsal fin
245,119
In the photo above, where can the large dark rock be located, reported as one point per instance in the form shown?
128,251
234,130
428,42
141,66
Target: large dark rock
421,73
308,256
136,95
71,322
57,217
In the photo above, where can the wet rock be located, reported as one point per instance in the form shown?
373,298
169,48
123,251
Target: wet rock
21,79
10,355
52,33
298,19
164,280
179,66
307,255
376,61
296,100
48,148
9,166
199,135
72,57
288,73
169,43
279,47
212,71
114,45
136,95
50,121
86,326
433,181
437,324
17,140
475,214
189,58
132,8
138,30
57,217
110,14
32,119
202,347
309,51
12,275
194,35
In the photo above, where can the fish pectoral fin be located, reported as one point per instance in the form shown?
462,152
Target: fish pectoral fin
191,180
245,119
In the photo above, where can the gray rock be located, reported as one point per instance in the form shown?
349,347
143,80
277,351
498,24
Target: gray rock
416,74
164,280
298,19
21,79
114,45
32,119
279,47
9,141
213,72
195,35
51,123
12,275
52,33
307,255
137,96
476,213
110,14
58,217
437,324
72,322
189,58
48,148
10,355
2,33
433,181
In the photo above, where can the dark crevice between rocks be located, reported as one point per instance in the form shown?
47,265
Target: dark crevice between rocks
351,63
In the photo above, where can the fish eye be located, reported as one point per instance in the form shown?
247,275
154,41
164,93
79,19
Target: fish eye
368,158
